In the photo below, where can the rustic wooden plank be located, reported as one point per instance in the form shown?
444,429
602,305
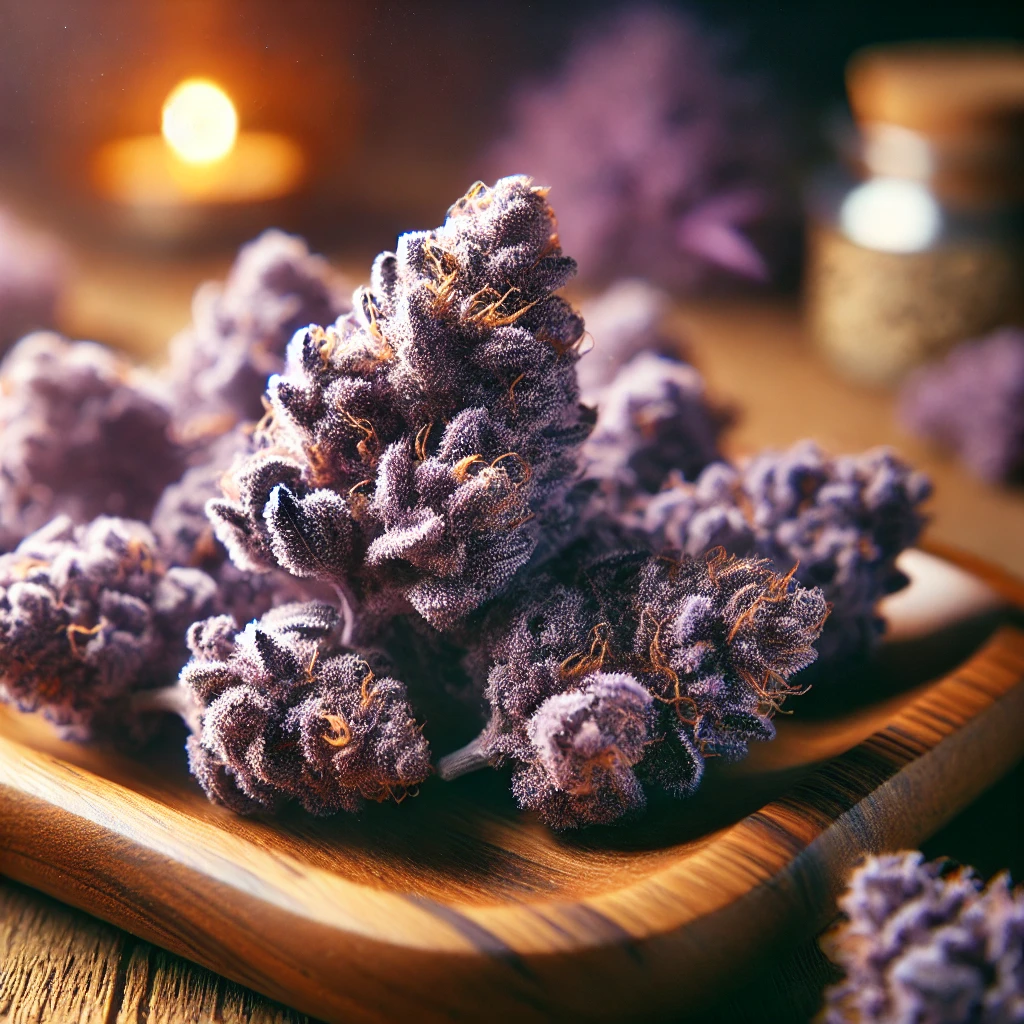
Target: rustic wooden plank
56,964
61,966
161,988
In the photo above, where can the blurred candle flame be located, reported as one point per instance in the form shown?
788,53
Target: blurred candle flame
199,122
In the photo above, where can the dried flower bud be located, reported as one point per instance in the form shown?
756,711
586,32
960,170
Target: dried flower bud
668,661
654,419
220,365
289,714
89,617
586,743
973,403
84,435
841,521
416,452
919,944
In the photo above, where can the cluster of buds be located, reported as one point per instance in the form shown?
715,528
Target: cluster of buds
630,669
424,476
926,942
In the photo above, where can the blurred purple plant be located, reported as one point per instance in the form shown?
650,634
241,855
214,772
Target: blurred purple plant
286,713
973,404
922,945
89,619
32,275
627,318
185,537
663,155
840,523
220,365
84,434
631,672
414,454
654,419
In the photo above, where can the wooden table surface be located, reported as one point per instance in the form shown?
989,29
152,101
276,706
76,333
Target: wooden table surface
60,965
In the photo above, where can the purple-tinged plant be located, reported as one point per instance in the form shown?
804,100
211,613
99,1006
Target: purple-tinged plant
185,537
973,404
286,713
841,522
415,453
632,672
585,743
654,419
89,620
179,519
919,944
32,274
625,319
663,156
84,434
240,329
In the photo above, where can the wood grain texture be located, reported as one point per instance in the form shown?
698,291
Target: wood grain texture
58,966
457,906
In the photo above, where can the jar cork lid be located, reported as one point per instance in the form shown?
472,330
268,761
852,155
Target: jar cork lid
939,89
961,102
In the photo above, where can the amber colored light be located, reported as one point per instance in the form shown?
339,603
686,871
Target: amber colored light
199,121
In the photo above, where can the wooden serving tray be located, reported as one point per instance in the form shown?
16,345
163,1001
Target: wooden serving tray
458,907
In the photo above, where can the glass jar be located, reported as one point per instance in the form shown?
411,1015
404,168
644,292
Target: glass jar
916,237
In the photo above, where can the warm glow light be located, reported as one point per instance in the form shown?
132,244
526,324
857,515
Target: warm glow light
892,215
199,121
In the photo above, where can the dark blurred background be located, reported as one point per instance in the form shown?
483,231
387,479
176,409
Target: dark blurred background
391,101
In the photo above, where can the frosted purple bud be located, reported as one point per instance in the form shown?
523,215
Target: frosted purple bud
654,418
587,741
972,403
240,329
90,617
840,521
684,160
288,713
664,661
919,943
415,452
84,434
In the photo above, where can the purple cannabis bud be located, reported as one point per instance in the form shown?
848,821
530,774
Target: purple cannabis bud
841,522
32,273
414,453
586,743
240,329
973,404
633,671
919,944
287,713
84,435
179,519
89,617
185,537
654,418
627,318
664,157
